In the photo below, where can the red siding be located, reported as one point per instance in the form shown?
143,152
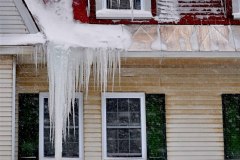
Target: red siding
191,11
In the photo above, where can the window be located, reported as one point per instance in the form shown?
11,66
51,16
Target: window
121,9
72,147
123,4
231,124
124,125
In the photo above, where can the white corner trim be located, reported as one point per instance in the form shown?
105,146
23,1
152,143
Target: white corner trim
28,20
13,108
143,123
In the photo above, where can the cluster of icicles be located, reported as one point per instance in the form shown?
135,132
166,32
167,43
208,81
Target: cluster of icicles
168,11
69,71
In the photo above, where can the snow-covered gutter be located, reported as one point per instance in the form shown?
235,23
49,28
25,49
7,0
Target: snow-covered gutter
21,39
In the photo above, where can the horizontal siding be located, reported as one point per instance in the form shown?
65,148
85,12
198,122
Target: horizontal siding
11,21
6,73
193,89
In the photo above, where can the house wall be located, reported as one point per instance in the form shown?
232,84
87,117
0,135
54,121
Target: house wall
10,20
6,97
193,89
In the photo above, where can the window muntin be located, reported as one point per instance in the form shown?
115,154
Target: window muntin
123,4
73,145
124,125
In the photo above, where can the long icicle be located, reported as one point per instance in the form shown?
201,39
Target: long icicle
69,70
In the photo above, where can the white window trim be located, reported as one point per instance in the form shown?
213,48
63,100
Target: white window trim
143,124
236,9
103,13
43,95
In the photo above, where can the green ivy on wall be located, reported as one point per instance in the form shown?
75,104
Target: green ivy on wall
231,118
156,127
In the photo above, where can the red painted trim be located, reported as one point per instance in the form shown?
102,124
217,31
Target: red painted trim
80,13
80,10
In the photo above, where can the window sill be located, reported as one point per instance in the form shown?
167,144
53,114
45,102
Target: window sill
123,14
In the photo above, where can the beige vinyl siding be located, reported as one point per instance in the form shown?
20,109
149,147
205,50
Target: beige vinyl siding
193,89
10,20
6,84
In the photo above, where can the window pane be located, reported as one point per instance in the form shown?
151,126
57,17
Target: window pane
123,105
112,134
134,104
123,118
112,119
112,147
71,144
123,134
111,105
48,149
123,147
123,4
135,146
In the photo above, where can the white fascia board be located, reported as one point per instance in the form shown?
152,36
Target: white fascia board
27,18
182,54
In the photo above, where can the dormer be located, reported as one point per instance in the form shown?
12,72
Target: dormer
183,12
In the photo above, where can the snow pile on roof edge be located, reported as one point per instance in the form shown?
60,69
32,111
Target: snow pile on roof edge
21,39
56,21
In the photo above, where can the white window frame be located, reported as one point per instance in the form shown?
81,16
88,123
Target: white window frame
41,127
102,12
141,96
236,9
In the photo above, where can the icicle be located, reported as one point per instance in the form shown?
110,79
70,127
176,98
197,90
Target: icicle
132,8
168,11
69,70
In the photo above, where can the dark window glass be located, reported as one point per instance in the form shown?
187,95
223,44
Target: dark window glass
123,4
71,144
231,121
123,127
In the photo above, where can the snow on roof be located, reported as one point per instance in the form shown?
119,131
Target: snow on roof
21,39
56,21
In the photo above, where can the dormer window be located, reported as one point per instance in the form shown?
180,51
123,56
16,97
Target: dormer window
123,9
124,4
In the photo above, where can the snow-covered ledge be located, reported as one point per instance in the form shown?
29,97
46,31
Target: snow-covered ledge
123,14
236,9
